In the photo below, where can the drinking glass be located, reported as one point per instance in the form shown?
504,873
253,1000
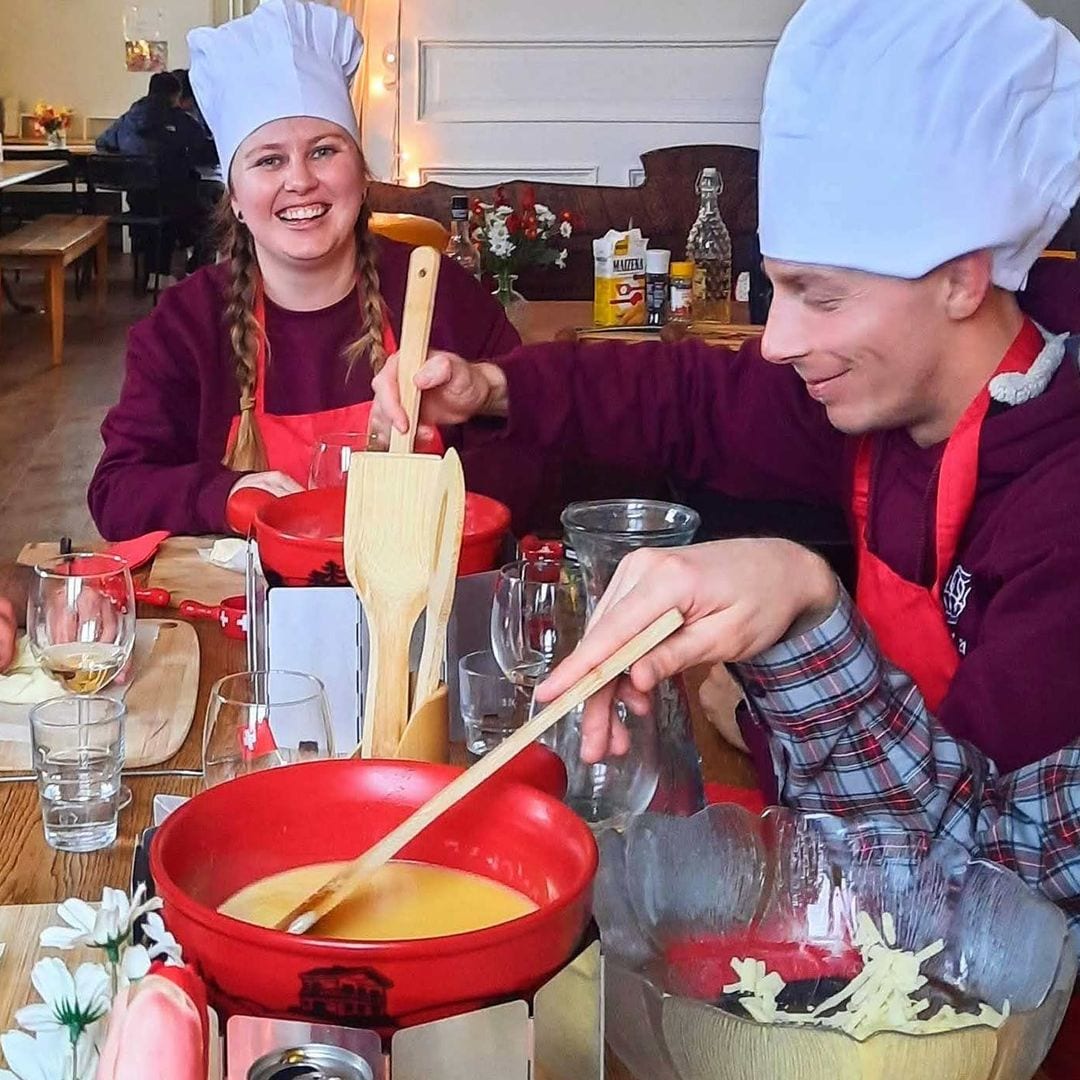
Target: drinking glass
77,749
259,720
80,623
537,619
332,456
487,703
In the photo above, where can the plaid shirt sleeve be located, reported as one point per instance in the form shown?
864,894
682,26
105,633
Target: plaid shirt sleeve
851,735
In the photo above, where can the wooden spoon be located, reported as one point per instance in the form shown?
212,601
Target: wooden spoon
392,511
344,883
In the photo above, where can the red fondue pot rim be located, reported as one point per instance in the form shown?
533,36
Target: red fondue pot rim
316,496
489,508
403,948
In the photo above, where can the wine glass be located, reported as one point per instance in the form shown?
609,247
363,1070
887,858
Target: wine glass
537,619
259,720
332,456
80,623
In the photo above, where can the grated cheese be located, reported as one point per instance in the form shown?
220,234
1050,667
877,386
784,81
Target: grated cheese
879,998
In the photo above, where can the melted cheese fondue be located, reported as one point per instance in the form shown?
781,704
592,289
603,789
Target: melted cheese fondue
403,900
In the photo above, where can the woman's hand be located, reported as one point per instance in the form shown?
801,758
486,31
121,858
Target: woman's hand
738,597
454,390
276,483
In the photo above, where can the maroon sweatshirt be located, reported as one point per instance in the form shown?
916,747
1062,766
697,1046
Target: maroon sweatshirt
165,438
740,425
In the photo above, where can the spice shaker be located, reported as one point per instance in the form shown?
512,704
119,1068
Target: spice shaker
656,286
682,292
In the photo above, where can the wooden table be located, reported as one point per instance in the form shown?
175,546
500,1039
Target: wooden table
546,320
51,244
31,872
23,171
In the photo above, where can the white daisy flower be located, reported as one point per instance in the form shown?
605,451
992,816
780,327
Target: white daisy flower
69,1003
543,214
565,230
163,946
46,1056
106,927
560,259
134,965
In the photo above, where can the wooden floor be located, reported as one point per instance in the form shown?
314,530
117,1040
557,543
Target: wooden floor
49,417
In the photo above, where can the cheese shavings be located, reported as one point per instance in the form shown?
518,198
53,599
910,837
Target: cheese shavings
880,998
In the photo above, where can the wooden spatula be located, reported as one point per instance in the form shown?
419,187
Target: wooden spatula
392,511
308,912
444,579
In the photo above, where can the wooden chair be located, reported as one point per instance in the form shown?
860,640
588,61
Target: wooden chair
133,174
411,229
50,245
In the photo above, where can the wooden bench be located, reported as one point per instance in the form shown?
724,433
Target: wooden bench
50,245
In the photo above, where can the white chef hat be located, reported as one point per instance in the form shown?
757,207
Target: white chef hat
899,134
284,59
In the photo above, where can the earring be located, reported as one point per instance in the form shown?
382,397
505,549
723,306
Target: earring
240,216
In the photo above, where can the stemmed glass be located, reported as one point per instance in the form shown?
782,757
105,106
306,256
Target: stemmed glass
80,623
258,720
537,619
331,458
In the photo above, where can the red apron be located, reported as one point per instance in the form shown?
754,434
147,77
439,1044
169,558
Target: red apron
908,619
290,440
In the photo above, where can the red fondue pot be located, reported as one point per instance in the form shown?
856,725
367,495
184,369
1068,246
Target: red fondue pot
236,833
300,535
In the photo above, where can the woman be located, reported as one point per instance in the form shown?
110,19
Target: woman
242,366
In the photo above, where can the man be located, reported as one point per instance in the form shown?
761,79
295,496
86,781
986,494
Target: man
916,159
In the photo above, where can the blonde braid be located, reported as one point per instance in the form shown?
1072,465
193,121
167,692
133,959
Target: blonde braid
371,337
248,453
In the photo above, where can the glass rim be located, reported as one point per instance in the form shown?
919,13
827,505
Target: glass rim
336,438
46,569
117,711
511,571
318,690
691,518
478,655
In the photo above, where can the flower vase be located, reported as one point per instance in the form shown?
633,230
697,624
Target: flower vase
512,301
56,140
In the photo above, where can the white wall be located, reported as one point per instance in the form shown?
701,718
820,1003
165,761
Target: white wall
71,52
569,90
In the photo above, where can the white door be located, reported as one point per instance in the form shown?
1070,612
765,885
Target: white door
478,91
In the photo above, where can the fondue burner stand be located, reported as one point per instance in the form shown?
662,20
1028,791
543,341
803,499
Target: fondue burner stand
557,1036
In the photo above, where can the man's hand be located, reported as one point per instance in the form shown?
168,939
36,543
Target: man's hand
454,390
738,597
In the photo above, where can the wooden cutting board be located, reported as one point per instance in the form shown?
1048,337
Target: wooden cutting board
20,930
160,702
178,568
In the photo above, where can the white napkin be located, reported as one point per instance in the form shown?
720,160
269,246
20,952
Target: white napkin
229,554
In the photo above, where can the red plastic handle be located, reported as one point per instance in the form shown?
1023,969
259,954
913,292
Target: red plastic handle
242,507
192,609
154,597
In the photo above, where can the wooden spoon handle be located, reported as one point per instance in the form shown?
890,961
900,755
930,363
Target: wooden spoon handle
422,279
308,912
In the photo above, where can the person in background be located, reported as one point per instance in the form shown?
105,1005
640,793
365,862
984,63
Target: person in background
14,587
188,104
243,365
156,127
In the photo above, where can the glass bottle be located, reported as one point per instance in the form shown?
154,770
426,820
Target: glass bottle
460,247
709,248
601,533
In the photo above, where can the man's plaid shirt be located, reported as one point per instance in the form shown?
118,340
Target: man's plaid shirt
851,735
